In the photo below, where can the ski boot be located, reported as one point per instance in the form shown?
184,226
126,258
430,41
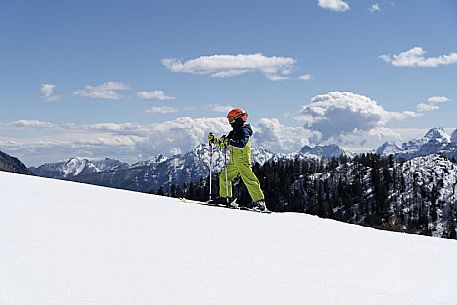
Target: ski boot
259,206
228,202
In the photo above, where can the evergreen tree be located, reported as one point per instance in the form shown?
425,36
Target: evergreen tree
367,189
160,191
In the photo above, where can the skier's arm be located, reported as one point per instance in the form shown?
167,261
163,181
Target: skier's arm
241,139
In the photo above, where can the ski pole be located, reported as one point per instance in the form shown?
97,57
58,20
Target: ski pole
226,175
210,167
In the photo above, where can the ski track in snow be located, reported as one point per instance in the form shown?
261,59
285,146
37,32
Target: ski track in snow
75,244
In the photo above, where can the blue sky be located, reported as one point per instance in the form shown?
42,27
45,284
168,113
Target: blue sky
92,77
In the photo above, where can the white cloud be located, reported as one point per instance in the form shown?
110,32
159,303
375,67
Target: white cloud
107,90
220,108
431,105
423,107
438,99
400,116
161,110
376,7
30,124
337,113
275,77
36,142
179,135
274,67
156,95
386,58
47,92
334,5
279,138
364,140
305,77
415,58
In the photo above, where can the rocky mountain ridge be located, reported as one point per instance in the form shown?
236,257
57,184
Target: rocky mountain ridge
12,164
164,171
77,166
435,141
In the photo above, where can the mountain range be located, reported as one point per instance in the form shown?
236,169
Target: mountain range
162,171
435,141
192,166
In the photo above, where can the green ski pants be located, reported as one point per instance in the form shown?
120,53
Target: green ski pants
248,177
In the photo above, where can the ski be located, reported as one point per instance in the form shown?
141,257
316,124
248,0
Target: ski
266,211
233,205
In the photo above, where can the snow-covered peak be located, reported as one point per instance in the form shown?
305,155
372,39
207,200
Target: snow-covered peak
437,134
389,148
436,140
261,155
107,164
160,158
454,136
325,151
77,166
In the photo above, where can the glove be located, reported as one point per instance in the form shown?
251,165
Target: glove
212,139
223,141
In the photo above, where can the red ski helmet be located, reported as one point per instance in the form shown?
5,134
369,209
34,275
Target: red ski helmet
237,114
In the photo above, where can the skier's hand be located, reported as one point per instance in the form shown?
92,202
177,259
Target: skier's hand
223,141
212,139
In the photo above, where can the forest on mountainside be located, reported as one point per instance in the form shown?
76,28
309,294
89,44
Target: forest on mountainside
415,196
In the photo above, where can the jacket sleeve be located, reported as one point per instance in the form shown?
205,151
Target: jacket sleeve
240,138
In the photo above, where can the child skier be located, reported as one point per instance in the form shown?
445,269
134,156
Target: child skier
239,143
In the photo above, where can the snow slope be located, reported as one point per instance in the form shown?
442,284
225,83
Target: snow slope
75,244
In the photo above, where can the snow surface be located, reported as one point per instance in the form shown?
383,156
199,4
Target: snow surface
75,244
